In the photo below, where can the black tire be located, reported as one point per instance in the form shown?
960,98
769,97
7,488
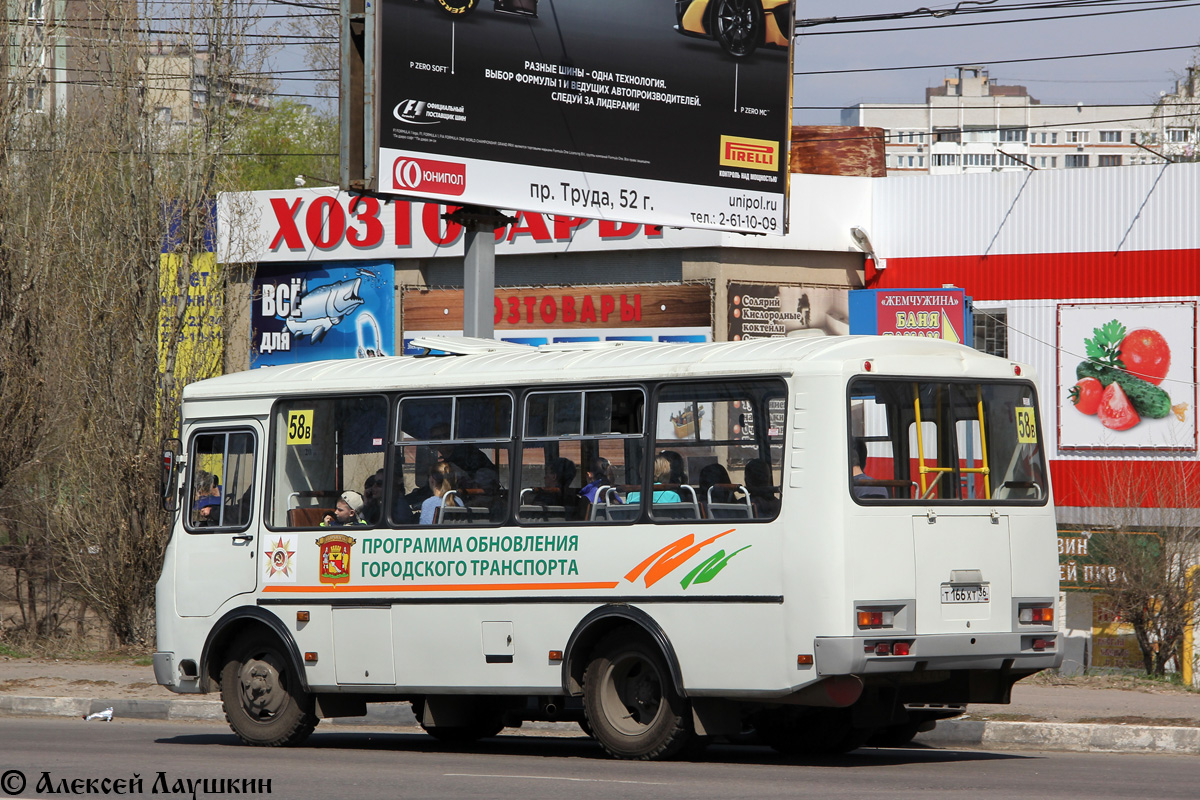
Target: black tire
457,8
737,25
487,724
264,703
895,735
631,704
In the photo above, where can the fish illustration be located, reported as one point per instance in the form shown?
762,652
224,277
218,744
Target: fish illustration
317,311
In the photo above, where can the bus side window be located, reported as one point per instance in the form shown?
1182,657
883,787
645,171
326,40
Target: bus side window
723,442
581,447
218,456
324,447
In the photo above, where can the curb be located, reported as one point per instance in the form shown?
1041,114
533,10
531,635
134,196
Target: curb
1070,736
1073,736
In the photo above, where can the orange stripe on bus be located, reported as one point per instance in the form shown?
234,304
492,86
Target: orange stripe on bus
449,587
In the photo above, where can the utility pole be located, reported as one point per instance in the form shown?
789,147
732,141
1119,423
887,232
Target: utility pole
479,267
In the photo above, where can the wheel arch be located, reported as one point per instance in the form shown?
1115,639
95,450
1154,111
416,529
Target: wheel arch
597,624
231,625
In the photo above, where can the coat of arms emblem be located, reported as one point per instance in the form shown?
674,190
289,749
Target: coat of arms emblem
335,557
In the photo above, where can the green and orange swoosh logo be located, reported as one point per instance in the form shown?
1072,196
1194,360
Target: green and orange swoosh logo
676,554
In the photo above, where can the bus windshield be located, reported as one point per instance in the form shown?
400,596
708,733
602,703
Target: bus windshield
949,441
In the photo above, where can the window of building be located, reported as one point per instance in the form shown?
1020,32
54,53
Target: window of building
1054,137
1076,160
921,161
991,331
1053,162
945,160
979,159
1110,137
1077,137
1178,135
947,135
910,161
1109,161
1013,134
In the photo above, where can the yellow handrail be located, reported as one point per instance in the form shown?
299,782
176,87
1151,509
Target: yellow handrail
922,470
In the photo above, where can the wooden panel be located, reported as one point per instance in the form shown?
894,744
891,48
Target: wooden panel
658,306
838,150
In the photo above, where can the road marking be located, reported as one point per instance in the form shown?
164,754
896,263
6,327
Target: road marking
547,778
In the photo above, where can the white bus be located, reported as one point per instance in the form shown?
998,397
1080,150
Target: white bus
662,542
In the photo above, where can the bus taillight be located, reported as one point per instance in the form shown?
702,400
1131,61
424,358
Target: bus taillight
1035,615
875,619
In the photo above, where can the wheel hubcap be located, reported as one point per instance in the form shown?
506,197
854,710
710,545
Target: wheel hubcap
262,691
735,21
632,695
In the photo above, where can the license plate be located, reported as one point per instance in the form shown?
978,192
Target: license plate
965,593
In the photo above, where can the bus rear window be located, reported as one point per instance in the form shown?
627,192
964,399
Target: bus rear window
950,441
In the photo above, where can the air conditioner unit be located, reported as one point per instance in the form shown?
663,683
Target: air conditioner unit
1079,148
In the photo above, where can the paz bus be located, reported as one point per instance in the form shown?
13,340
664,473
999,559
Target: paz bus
806,542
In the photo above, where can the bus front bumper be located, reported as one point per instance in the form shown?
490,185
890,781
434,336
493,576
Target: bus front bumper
858,655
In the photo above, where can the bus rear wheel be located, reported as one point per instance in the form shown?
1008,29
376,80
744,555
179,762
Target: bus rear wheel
263,700
631,705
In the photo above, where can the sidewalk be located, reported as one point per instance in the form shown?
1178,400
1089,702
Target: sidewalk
1042,715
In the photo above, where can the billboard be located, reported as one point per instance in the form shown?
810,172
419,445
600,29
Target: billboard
771,310
1127,376
303,313
546,315
929,313
668,113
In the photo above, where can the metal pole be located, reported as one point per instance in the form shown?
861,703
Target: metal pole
479,267
479,281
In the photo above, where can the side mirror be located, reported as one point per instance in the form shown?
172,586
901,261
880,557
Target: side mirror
170,475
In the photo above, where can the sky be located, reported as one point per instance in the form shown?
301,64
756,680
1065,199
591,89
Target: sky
925,41
982,34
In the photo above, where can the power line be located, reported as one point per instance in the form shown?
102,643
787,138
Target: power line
999,21
998,61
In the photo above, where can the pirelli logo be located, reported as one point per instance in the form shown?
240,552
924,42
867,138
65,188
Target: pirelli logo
761,154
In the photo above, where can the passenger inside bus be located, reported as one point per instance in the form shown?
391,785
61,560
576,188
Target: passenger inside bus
347,513
206,510
678,474
443,478
402,512
716,486
556,485
761,487
863,485
662,475
372,492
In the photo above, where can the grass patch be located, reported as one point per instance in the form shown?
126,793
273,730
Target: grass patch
10,652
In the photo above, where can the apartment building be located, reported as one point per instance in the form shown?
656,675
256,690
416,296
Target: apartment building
970,124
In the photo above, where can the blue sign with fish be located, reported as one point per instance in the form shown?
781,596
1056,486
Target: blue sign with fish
313,312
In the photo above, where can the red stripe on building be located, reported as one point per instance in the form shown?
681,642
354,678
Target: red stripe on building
1043,276
1126,484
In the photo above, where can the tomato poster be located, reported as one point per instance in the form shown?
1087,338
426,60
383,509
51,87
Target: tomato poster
1127,376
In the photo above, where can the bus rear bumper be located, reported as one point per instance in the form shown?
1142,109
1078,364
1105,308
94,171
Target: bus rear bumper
856,655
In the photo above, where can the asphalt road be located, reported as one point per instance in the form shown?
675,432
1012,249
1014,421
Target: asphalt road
396,764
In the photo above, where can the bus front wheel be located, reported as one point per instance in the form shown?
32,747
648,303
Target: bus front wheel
263,700
631,705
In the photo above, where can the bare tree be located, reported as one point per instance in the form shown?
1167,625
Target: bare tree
1150,503
110,299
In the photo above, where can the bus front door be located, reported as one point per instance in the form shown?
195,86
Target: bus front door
217,556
